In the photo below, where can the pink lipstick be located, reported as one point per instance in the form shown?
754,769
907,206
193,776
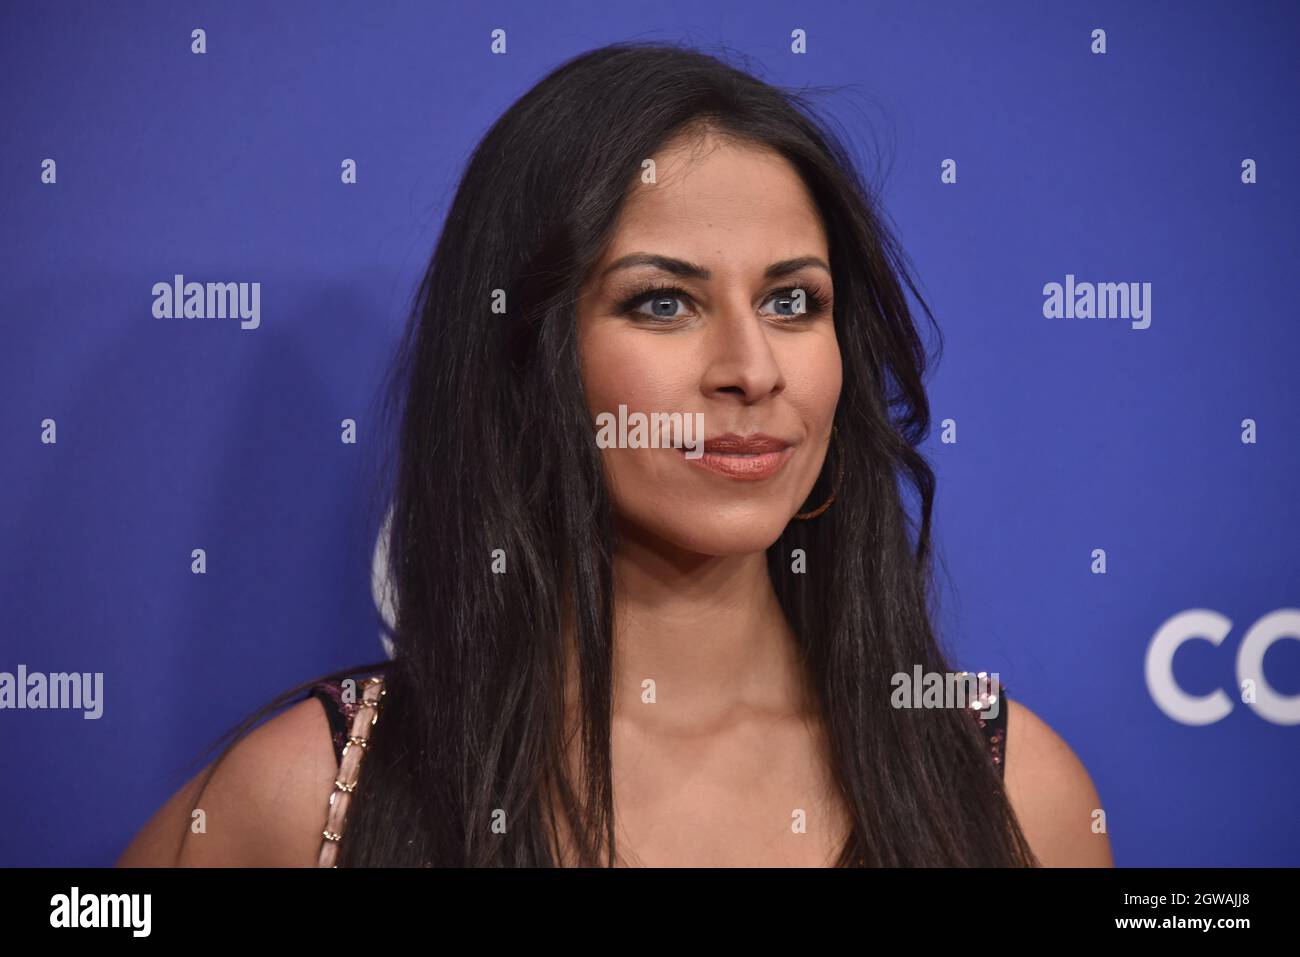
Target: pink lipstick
744,457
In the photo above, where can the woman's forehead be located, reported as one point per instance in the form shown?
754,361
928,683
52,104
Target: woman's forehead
733,203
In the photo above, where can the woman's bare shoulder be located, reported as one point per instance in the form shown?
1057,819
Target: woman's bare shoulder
264,805
1052,794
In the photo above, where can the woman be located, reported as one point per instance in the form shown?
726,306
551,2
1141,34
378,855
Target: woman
649,655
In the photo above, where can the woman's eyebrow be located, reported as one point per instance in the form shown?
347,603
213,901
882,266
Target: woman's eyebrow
680,267
787,266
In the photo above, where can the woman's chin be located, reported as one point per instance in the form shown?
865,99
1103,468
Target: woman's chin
724,536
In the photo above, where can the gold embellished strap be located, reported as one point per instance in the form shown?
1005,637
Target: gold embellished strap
363,719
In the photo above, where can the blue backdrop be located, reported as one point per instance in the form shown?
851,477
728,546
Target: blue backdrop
1104,481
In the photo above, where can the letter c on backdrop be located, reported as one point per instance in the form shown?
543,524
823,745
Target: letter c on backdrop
1209,625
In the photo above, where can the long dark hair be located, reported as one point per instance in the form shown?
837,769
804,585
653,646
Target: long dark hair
494,450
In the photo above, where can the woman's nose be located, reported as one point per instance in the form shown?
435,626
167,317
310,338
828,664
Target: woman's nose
740,359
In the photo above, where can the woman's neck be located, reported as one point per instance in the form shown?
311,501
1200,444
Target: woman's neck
708,631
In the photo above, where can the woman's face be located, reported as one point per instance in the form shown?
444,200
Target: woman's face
733,232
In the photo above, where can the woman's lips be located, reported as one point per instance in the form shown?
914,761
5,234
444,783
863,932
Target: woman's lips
744,457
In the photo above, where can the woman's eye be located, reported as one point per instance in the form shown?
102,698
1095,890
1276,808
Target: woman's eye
660,307
792,303
795,303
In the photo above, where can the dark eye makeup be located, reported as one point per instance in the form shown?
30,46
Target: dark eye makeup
815,302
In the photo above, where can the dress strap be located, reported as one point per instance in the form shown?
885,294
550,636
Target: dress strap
350,726
338,712
992,717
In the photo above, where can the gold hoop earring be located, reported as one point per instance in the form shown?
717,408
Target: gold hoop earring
839,477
